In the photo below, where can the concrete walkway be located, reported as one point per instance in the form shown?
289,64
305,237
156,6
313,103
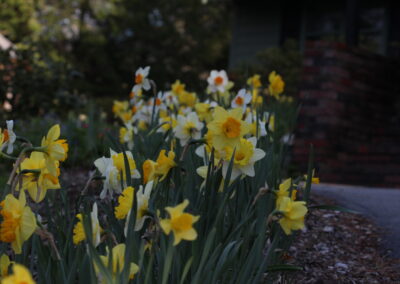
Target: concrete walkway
382,205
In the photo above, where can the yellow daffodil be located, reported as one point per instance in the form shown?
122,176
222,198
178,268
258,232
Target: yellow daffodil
283,191
177,88
293,213
149,170
180,223
227,127
276,84
187,99
125,201
246,154
2,138
20,275
254,81
164,164
118,261
54,148
205,110
18,221
126,136
120,107
37,183
79,231
4,265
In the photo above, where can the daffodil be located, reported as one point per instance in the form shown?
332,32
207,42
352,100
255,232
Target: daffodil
118,262
276,84
4,265
283,191
217,81
180,223
168,122
177,88
79,234
39,180
2,139
143,197
141,80
110,173
164,164
187,99
20,275
18,221
119,163
9,136
252,121
241,100
293,213
125,201
254,81
188,127
54,148
227,127
149,170
205,110
126,136
246,154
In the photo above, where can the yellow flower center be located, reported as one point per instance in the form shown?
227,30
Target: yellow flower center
139,79
218,80
182,223
190,127
231,128
8,227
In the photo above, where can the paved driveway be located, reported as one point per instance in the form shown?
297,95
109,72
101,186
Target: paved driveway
380,204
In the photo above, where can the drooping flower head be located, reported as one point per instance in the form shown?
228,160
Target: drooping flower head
18,222
40,179
54,148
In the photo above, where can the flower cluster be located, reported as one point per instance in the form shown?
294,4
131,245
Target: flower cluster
190,175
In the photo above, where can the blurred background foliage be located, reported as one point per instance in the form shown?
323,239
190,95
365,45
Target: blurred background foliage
65,52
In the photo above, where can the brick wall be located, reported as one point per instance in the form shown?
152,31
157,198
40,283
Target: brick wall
351,114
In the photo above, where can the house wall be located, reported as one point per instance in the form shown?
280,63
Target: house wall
351,114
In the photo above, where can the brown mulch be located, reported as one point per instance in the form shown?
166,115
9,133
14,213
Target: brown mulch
340,247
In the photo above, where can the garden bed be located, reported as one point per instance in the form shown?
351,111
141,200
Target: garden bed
340,247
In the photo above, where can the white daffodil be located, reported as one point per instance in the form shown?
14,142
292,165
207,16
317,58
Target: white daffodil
251,119
95,225
246,154
241,100
110,173
143,197
10,137
141,80
217,81
126,135
188,127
